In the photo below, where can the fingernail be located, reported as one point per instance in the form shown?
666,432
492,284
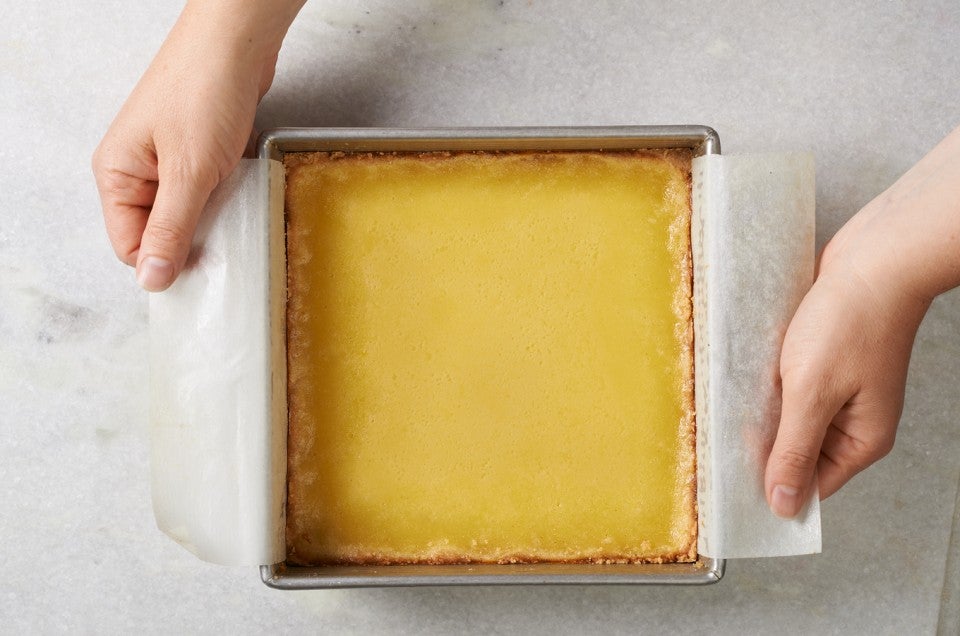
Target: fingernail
786,501
155,274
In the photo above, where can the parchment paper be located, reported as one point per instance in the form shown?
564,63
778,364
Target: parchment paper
753,241
218,454
218,366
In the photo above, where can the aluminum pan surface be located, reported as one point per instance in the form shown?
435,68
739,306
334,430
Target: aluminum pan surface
275,143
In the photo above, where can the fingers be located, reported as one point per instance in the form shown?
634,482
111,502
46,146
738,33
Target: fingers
125,222
126,200
845,454
843,367
183,191
808,408
183,128
151,215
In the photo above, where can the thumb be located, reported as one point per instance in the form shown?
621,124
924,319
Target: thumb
181,194
808,408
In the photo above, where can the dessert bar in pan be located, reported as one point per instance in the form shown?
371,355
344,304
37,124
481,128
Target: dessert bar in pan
489,356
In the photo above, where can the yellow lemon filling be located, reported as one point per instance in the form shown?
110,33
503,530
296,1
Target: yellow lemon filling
489,357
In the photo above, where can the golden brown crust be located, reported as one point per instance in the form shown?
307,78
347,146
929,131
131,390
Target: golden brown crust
454,559
299,436
295,432
683,308
679,158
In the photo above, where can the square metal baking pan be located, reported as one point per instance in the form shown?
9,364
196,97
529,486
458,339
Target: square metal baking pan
274,144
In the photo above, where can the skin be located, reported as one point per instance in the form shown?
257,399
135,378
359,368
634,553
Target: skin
845,355
844,360
184,128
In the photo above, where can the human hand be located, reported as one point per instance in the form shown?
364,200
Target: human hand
844,360
184,128
843,370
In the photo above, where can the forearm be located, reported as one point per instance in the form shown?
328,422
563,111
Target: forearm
257,26
236,36
909,236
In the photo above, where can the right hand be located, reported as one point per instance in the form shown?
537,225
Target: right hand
843,368
845,354
182,131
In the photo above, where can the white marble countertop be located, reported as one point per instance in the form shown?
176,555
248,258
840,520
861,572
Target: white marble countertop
868,88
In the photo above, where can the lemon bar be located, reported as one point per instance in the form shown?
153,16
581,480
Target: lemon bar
490,358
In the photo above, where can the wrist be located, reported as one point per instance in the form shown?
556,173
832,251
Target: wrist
921,215
908,238
250,32
878,262
913,242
